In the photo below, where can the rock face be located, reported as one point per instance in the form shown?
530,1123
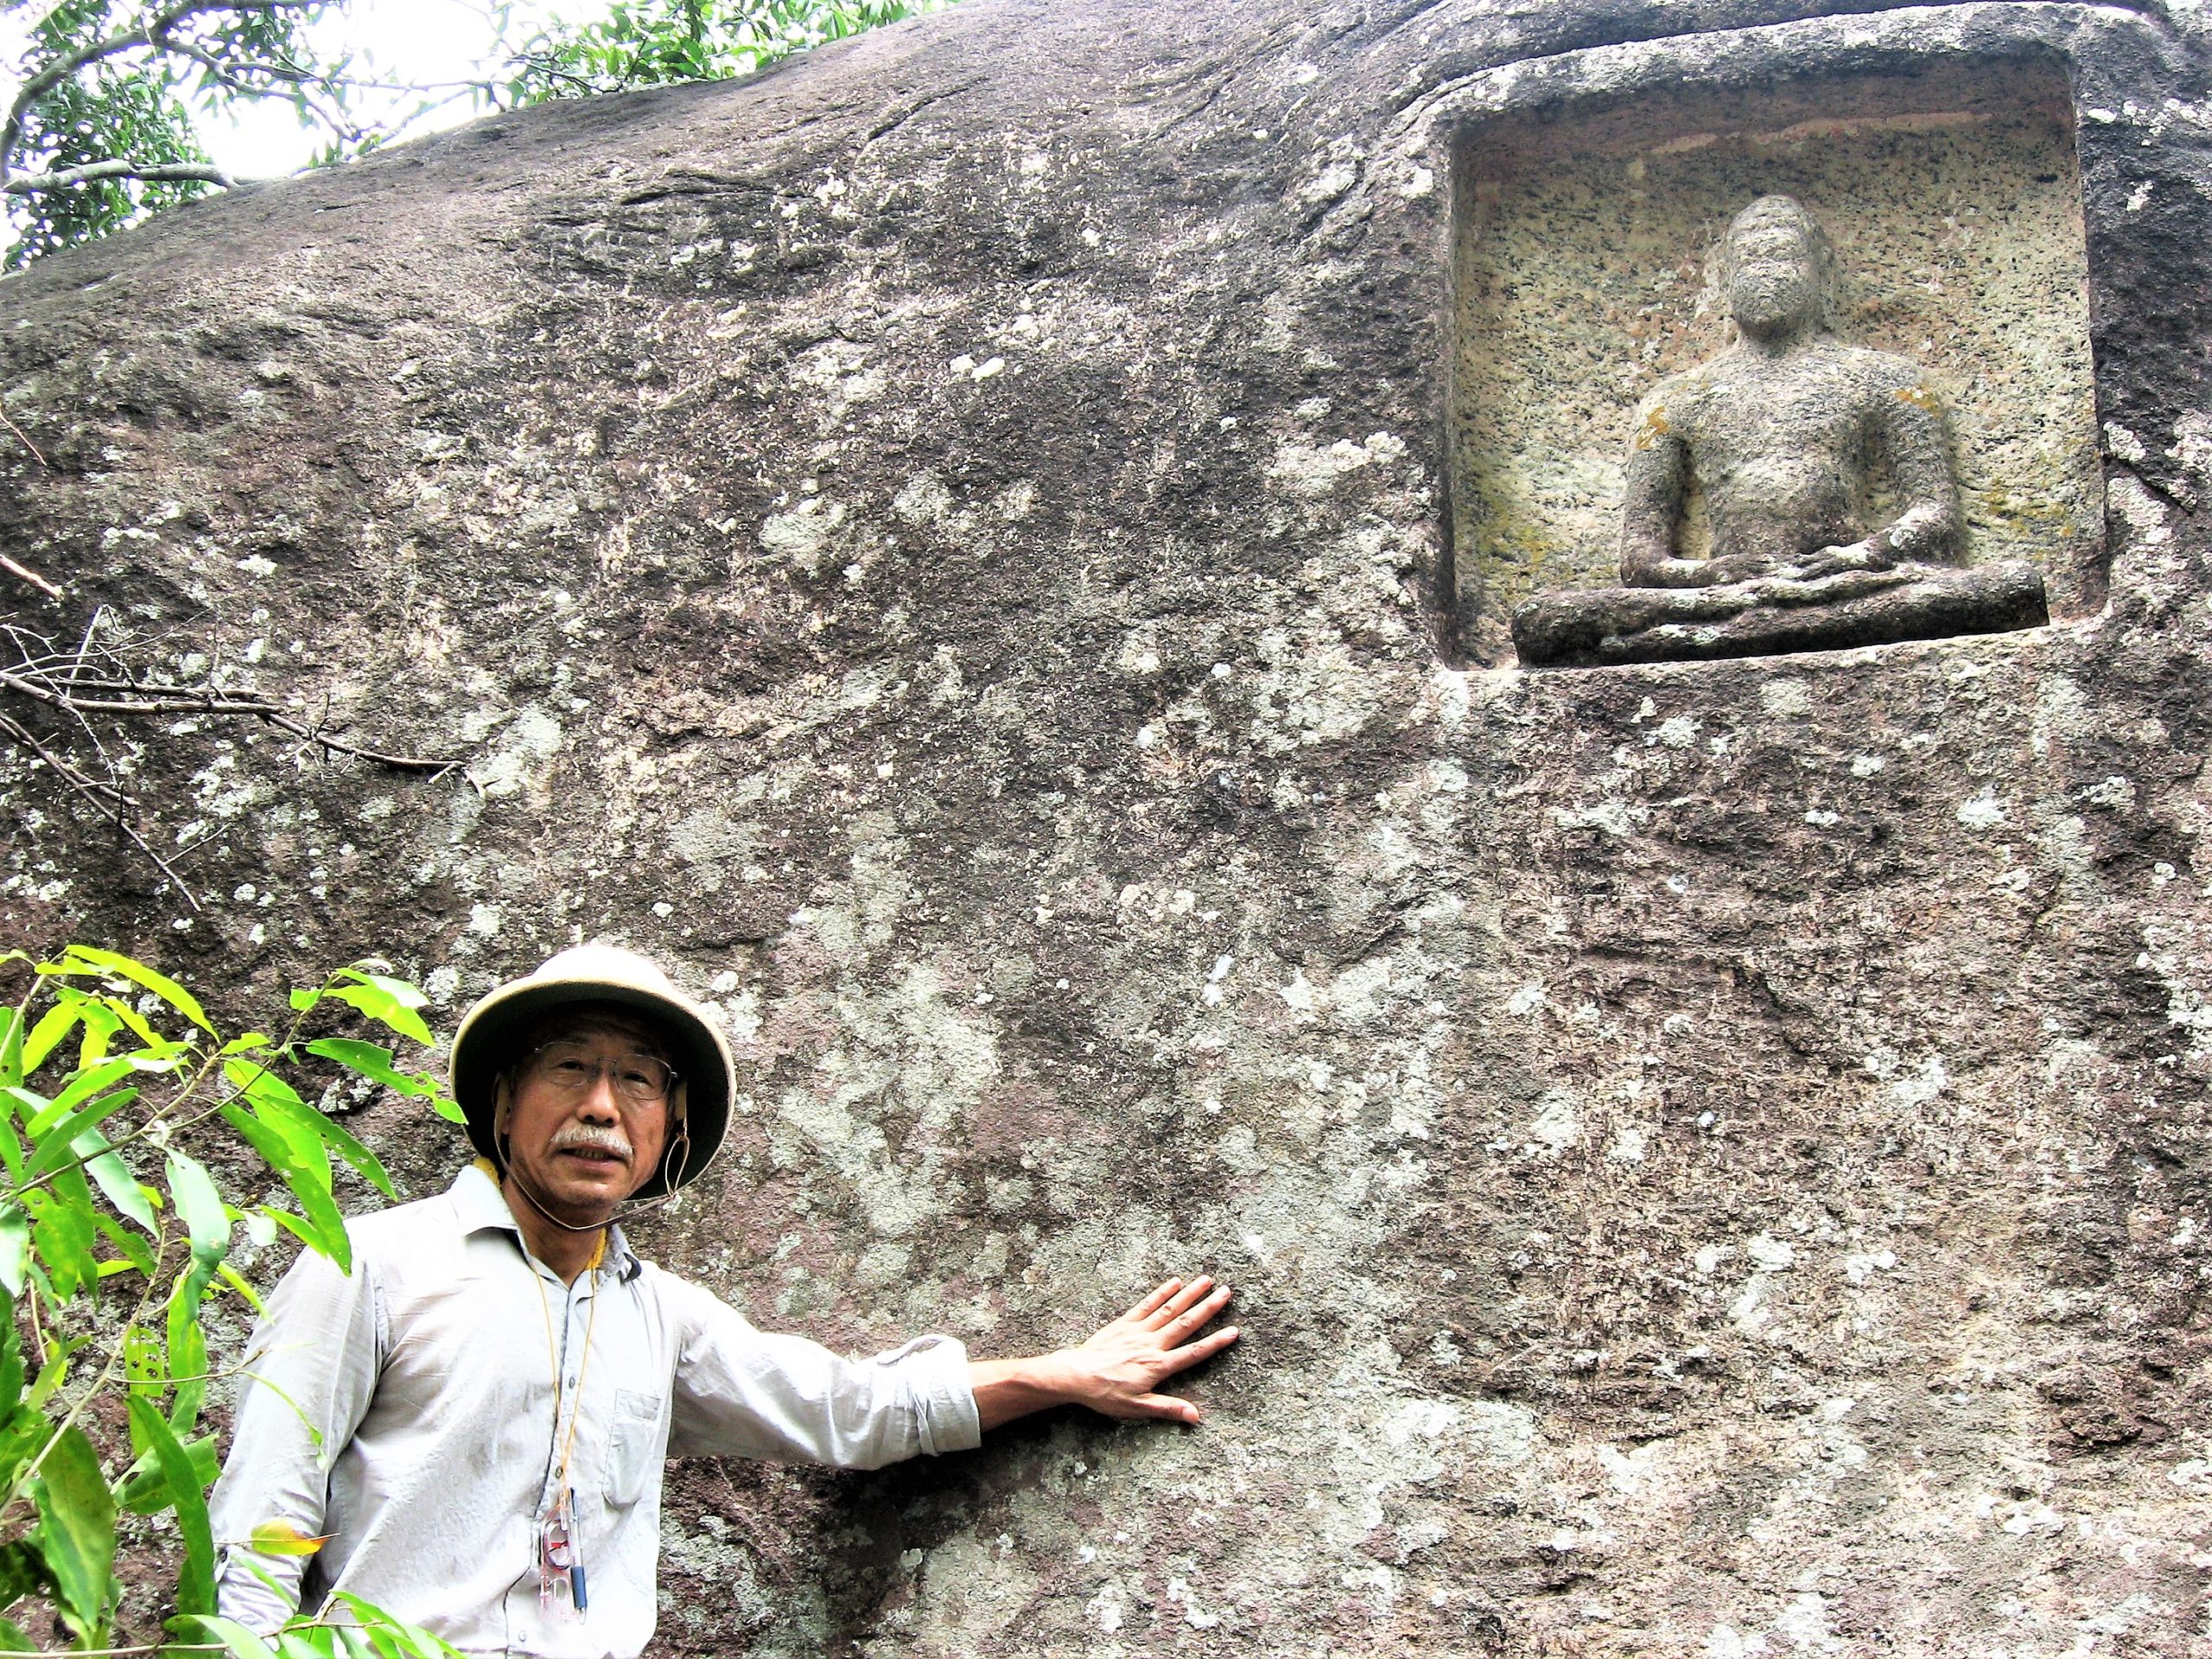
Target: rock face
946,544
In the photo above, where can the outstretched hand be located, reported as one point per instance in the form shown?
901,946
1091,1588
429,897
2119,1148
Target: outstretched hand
1118,1371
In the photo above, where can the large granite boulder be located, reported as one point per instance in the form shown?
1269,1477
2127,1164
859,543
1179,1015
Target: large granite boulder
947,543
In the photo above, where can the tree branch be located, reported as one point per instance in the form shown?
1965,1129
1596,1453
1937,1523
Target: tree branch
145,35
162,173
26,574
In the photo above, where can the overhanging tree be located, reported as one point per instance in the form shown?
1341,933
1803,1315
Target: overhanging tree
102,128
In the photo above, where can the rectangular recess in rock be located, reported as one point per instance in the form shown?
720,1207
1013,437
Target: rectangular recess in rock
1583,273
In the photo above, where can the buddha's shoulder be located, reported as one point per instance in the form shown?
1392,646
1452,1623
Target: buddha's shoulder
1887,370
1689,388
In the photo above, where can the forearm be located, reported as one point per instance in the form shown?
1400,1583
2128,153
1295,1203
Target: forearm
1927,531
1008,1389
1659,570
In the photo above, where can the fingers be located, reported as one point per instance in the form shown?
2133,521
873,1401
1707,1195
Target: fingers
1205,1347
1195,1318
1167,1407
1150,1305
1174,1304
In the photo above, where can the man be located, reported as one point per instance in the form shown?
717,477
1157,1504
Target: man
1785,432
475,1420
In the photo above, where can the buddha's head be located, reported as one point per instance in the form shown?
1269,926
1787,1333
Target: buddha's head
1778,269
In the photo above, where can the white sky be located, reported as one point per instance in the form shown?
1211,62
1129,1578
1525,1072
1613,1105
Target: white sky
416,41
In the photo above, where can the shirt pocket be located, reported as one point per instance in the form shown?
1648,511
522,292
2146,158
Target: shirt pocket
636,1449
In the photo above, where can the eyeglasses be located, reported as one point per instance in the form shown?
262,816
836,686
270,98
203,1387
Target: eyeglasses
574,1069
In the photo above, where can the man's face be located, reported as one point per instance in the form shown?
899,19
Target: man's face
574,1131
1774,274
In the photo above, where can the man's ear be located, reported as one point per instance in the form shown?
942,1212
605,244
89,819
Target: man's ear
502,1104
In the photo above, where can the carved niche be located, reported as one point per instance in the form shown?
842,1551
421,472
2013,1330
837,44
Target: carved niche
1735,374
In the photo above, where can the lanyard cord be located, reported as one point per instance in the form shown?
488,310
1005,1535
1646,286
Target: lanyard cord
583,1369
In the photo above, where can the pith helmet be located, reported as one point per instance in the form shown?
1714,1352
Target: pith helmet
491,1036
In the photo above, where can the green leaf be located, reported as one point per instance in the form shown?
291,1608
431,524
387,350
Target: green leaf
147,1490
237,1281
12,1148
15,1249
140,975
187,1345
418,1640
205,1221
53,1026
276,1149
22,1437
145,1359
195,1583
58,1145
324,1229
277,1105
52,1374
321,1228
61,1235
289,1112
391,1002
21,1573
137,1257
83,1084
373,1061
157,1046
76,1527
97,1036
11,1365
125,1190
233,1637
12,1069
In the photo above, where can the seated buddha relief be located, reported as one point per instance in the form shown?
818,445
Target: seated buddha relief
1784,434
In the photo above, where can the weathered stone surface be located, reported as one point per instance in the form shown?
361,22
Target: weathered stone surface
945,543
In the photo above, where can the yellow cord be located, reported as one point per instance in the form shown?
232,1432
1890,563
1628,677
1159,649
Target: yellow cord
583,1368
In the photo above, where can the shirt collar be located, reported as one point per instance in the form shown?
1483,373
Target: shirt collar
480,1207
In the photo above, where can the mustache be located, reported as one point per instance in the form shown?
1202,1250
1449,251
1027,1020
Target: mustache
592,1137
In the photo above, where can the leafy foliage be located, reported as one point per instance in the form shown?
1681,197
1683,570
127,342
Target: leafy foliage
113,1239
650,43
106,92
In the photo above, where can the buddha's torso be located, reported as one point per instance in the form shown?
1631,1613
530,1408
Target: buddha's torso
1781,445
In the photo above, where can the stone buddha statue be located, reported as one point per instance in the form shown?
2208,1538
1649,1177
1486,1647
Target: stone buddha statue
1784,433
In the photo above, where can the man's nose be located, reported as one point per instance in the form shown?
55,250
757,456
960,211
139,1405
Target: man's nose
599,1102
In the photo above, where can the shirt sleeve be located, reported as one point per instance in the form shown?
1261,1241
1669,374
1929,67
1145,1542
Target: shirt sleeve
311,1369
745,1393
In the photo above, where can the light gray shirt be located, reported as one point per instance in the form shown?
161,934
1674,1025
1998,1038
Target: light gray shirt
407,1411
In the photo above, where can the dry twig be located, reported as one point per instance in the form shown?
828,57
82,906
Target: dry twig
77,684
24,438
26,574
83,695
